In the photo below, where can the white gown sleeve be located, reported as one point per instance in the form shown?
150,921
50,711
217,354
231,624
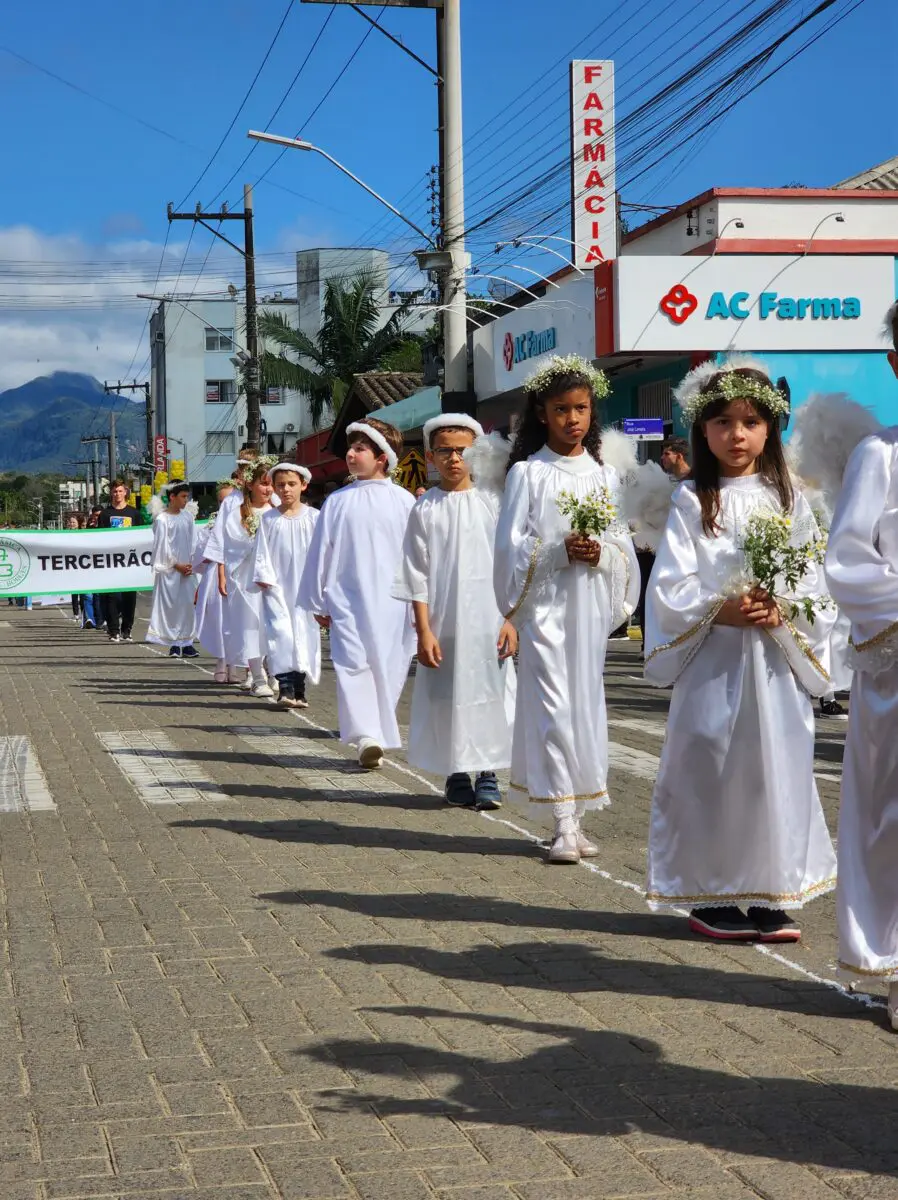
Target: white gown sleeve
804,642
864,583
619,564
523,561
214,551
312,594
412,577
680,608
163,560
262,567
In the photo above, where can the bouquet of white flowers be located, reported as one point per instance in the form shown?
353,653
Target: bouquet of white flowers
589,516
770,556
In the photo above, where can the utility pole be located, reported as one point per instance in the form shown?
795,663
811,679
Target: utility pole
113,454
450,262
251,374
114,389
109,439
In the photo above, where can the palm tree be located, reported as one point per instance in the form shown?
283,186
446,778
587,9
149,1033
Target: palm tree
348,343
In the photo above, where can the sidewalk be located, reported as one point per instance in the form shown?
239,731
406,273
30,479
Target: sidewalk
235,966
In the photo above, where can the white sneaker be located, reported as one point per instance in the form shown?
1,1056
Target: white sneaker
261,689
371,755
247,684
564,849
587,848
893,1006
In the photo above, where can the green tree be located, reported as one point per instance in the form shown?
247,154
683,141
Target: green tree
348,343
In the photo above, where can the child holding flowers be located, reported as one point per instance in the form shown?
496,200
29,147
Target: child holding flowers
566,576
738,622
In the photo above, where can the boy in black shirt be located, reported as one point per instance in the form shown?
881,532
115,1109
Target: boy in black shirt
118,607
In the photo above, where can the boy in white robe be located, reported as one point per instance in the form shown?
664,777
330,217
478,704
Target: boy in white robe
292,639
862,571
347,582
174,584
463,701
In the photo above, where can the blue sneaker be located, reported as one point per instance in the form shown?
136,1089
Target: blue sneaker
459,793
487,796
189,652
174,652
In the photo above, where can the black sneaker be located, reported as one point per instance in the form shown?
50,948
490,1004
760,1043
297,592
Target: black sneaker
774,925
487,796
114,637
724,922
286,695
88,625
189,652
126,637
459,792
832,708
174,652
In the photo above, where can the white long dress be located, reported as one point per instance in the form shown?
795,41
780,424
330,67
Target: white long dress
291,637
172,614
736,817
355,551
564,613
231,544
209,602
862,570
462,712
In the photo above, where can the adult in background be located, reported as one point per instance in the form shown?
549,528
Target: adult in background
118,607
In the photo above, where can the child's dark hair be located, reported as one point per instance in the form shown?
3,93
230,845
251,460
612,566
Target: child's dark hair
892,325
390,432
532,433
706,468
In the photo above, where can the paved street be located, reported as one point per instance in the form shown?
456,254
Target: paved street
237,967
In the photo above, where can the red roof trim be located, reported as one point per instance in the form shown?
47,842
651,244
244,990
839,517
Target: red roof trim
795,246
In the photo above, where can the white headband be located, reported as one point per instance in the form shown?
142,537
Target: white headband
176,485
294,467
451,420
378,439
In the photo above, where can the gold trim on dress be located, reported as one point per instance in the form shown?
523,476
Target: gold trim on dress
516,787
871,972
684,637
802,643
826,885
531,571
876,640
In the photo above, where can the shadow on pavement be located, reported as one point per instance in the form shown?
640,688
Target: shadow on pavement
605,1083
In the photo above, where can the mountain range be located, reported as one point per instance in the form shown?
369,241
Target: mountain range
42,423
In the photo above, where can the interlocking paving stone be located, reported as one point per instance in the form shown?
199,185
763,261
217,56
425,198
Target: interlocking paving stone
314,982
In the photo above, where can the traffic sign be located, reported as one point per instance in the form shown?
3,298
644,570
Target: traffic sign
645,429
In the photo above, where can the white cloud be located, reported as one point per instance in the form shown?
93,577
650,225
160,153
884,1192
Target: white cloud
70,305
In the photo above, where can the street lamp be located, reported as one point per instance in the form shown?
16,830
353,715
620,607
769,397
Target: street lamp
300,144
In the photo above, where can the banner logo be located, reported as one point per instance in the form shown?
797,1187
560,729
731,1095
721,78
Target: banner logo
679,303
15,562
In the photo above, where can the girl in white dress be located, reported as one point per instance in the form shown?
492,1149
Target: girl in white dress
736,818
862,569
231,545
174,584
291,637
565,594
209,601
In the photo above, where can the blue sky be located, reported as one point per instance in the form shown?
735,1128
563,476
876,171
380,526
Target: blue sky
87,187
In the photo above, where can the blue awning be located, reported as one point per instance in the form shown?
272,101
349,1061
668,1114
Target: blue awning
412,412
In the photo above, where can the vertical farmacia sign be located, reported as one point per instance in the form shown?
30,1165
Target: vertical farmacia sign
593,199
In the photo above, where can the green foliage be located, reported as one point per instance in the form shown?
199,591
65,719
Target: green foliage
349,343
592,515
20,497
773,559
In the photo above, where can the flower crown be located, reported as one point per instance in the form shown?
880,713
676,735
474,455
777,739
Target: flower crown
226,482
571,364
730,385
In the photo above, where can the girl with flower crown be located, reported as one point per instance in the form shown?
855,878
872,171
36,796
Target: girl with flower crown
736,818
565,590
231,545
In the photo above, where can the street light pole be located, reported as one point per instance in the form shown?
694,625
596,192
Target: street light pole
252,373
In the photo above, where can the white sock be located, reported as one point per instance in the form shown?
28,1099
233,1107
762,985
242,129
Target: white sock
565,814
257,671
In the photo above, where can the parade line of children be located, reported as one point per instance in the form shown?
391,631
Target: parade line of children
524,552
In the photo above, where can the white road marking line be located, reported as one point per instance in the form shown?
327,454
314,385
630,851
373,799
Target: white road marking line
23,785
5,624
157,770
862,998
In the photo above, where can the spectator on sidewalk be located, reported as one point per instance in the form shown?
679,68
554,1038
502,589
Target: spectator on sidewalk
119,607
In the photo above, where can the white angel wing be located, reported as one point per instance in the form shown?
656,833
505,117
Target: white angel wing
193,508
645,503
827,429
488,459
155,506
619,451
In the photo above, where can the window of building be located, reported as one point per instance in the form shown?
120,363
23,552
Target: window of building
219,339
273,395
221,391
280,443
221,442
655,400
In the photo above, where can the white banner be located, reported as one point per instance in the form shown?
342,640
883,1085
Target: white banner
593,183
52,562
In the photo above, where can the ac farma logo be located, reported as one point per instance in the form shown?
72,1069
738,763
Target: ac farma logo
15,562
678,304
